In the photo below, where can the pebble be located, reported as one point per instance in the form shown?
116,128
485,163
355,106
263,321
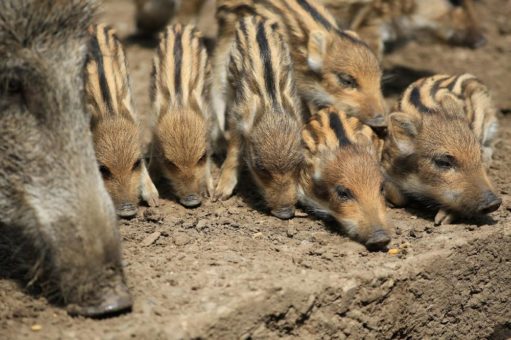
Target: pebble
393,251
291,231
151,239
301,214
182,239
258,235
153,215
202,224
36,328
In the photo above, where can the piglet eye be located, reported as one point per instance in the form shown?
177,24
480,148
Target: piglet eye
170,164
456,3
344,194
203,158
262,171
382,188
444,162
137,165
347,80
105,172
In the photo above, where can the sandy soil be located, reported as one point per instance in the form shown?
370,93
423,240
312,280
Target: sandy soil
228,270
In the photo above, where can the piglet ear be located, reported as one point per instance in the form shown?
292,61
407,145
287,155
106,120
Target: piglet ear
316,50
403,129
371,142
309,142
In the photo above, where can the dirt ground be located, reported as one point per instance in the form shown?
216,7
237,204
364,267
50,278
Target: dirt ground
228,270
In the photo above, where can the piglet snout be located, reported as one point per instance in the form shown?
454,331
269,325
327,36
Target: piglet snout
191,200
378,240
489,203
284,213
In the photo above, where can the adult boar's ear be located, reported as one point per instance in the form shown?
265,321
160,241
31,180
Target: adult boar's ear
316,50
403,129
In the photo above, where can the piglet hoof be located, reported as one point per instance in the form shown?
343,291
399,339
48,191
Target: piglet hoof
112,302
224,190
443,218
151,197
153,201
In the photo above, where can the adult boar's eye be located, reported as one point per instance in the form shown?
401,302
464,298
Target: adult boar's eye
344,194
137,165
347,80
382,189
444,162
13,86
105,172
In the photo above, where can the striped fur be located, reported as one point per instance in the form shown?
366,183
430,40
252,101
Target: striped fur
332,67
180,93
440,139
342,176
114,123
107,85
264,116
426,96
387,21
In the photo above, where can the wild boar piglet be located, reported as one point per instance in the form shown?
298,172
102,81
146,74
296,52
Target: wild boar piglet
180,94
381,22
115,125
332,67
440,138
342,176
264,118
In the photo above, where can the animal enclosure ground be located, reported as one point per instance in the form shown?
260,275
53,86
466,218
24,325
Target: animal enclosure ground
227,270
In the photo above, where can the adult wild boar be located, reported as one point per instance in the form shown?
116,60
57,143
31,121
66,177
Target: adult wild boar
51,191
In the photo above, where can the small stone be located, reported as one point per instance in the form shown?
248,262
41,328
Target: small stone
189,224
153,215
151,239
301,214
202,224
181,239
36,327
258,235
393,251
291,231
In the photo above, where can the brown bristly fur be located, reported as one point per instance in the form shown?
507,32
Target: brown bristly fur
439,140
115,125
51,192
342,177
263,115
381,21
331,67
180,93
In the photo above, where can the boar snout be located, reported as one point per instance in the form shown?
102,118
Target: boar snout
378,240
191,200
284,213
126,210
378,121
473,39
489,203
112,301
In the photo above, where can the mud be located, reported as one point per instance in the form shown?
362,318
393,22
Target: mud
229,270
